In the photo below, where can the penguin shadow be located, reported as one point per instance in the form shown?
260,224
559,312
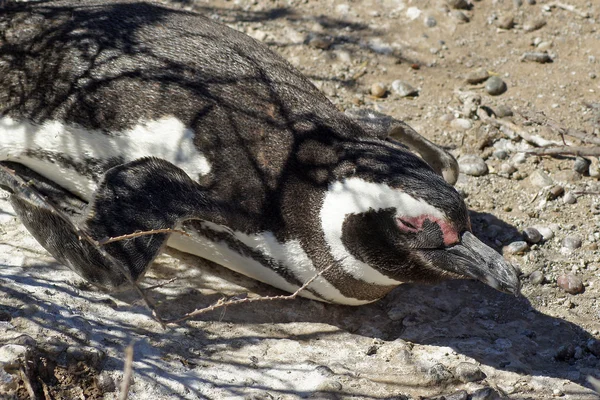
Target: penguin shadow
495,329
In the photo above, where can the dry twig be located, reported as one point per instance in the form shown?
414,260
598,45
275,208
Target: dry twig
567,7
513,130
127,373
226,303
567,150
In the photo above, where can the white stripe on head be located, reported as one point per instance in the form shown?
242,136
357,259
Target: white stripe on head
291,255
166,138
354,196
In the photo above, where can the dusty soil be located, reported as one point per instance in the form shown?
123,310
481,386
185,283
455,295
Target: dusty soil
71,339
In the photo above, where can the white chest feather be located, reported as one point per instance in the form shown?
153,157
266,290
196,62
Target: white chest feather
166,138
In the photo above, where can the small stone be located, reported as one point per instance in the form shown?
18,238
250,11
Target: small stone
537,278
519,158
503,111
540,179
538,57
105,382
555,192
430,22
506,22
582,166
593,347
507,168
378,90
570,283
546,232
458,4
473,165
495,86
468,372
519,247
460,395
534,24
557,393
91,355
12,356
329,385
477,76
320,42
572,242
485,394
439,374
404,89
460,16
570,198
567,176
532,235
462,124
500,154
565,353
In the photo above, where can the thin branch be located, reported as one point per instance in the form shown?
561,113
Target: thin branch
513,130
127,373
104,241
27,384
567,150
541,119
567,7
226,303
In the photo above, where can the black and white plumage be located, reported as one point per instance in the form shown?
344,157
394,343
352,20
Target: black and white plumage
133,116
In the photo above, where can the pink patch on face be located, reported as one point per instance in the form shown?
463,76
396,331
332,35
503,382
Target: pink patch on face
415,224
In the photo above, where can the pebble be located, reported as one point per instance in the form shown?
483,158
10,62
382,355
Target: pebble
570,283
534,24
105,382
555,192
507,168
477,76
500,154
430,22
546,232
404,89
506,22
90,355
468,372
535,56
532,235
460,395
460,16
557,392
582,166
320,42
503,111
570,198
495,86
461,124
518,247
439,374
378,90
12,356
593,347
537,278
519,158
572,242
540,179
473,165
485,394
565,353
458,4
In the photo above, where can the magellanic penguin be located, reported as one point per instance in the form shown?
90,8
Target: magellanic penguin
131,116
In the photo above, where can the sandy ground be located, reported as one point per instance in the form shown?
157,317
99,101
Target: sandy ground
458,339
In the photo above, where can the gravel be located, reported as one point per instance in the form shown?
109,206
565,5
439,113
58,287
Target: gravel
495,86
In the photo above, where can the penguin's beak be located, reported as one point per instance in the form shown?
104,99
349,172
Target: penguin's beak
473,258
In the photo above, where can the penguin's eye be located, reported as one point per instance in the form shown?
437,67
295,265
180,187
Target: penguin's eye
407,226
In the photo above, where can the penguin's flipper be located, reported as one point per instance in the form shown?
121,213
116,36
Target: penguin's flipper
143,195
385,127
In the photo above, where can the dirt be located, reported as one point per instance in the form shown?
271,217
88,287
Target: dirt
412,343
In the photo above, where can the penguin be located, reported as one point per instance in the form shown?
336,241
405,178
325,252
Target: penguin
129,116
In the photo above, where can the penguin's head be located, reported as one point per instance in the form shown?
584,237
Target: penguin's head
390,218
